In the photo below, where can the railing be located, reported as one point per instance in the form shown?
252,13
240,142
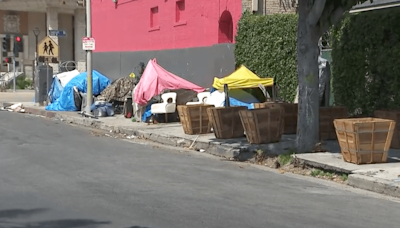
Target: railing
66,66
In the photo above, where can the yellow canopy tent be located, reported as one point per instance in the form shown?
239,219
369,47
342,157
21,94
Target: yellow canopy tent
242,78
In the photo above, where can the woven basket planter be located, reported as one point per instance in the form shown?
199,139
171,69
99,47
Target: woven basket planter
391,115
194,119
364,140
263,125
226,122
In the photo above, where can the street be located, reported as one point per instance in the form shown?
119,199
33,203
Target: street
53,175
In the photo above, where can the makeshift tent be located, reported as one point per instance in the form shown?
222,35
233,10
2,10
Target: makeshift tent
156,79
66,100
59,82
55,90
242,78
65,77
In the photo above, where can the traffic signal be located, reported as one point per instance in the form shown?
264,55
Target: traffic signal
5,47
18,45
6,60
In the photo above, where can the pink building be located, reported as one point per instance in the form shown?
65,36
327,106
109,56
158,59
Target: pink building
191,38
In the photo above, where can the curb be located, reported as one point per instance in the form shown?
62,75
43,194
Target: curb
375,185
372,184
323,166
211,148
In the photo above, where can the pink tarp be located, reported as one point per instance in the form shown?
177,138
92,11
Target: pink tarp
156,79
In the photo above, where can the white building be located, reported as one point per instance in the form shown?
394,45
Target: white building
23,16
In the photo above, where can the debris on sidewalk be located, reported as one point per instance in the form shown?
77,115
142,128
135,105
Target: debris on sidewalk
14,108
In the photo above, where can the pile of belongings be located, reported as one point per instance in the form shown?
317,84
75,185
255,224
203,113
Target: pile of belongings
119,90
102,109
14,108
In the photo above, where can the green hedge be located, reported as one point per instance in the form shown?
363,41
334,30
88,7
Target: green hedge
366,61
267,46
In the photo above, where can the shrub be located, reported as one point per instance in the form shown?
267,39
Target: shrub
366,61
21,83
267,46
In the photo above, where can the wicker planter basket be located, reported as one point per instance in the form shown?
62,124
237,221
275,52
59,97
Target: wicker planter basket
263,125
364,140
194,119
326,117
391,115
226,122
290,115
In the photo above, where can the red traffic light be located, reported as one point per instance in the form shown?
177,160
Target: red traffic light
18,39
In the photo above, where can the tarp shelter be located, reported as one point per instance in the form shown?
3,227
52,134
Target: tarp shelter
66,100
156,79
59,82
242,78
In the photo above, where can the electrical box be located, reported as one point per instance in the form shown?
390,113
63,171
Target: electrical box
43,81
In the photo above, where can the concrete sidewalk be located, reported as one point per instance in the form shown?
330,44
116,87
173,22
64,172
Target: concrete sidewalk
26,96
170,134
381,178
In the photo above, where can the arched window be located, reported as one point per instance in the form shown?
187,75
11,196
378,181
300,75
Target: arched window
225,30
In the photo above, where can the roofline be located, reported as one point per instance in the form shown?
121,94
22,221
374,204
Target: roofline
370,8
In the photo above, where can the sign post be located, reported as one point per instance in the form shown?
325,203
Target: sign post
89,90
48,51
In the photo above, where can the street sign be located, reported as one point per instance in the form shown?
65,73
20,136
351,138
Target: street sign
58,33
47,48
88,43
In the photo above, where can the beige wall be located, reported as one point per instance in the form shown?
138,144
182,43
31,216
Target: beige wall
35,20
23,21
270,6
66,44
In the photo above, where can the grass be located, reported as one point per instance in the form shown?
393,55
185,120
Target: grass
330,175
285,159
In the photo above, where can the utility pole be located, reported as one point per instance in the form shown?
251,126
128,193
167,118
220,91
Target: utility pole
89,70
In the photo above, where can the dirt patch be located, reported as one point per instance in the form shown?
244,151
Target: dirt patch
293,165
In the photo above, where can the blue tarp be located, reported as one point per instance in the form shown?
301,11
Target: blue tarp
55,90
66,100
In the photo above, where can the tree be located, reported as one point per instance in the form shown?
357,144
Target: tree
315,18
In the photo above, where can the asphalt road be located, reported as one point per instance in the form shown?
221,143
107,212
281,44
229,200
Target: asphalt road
57,176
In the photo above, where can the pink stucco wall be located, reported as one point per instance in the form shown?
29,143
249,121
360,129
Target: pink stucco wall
126,27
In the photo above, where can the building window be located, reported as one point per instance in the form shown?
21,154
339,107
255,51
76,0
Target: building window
154,18
180,11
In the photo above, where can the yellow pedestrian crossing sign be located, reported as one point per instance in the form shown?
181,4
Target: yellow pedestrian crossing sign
47,48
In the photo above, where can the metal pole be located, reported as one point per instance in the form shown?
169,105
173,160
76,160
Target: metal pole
13,58
89,58
14,73
36,61
47,82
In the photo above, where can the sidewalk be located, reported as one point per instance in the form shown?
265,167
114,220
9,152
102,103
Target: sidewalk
381,178
25,96
170,134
